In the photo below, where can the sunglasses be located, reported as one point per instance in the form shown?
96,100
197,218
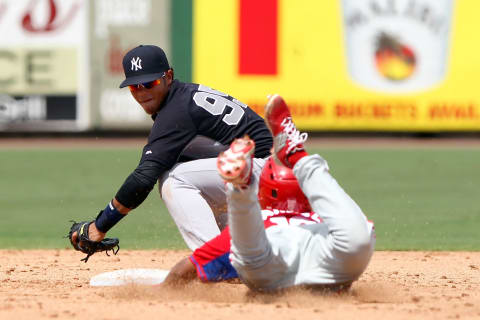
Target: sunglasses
146,85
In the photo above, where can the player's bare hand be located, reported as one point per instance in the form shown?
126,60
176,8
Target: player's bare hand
181,274
85,237
93,234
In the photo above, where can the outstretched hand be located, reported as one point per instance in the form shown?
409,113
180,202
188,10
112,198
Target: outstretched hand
85,237
93,233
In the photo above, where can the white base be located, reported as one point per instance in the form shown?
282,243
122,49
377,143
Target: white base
129,276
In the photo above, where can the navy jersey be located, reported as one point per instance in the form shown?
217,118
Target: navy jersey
188,111
201,148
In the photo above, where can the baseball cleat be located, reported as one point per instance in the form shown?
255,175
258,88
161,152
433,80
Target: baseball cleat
235,164
286,138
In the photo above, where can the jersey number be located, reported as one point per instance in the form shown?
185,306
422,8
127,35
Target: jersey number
215,103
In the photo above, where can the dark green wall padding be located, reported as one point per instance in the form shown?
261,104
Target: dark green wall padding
181,37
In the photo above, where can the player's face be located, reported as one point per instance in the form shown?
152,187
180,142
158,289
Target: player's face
151,96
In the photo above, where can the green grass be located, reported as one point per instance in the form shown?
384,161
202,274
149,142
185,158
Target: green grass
40,191
418,199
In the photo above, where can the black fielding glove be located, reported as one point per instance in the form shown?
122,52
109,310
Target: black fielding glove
84,244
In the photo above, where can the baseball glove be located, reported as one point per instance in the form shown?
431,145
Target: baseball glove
83,243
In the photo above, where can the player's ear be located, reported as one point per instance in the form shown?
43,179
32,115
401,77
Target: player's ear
169,75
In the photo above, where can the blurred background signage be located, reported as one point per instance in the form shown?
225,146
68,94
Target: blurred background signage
346,65
42,63
351,65
116,27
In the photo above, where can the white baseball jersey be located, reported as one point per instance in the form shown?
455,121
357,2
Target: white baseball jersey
335,251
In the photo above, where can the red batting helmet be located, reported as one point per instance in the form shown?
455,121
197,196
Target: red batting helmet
279,189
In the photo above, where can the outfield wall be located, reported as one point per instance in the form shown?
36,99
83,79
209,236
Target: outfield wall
43,65
347,65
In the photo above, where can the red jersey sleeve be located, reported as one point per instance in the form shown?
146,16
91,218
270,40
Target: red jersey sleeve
212,260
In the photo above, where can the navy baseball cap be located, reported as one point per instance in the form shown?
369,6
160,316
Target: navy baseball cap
144,63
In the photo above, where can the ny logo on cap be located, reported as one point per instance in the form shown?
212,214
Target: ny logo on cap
137,63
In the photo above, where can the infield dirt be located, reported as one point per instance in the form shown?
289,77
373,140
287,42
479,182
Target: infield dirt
46,284
53,284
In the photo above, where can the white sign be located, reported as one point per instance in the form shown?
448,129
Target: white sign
397,45
21,110
120,13
42,22
119,106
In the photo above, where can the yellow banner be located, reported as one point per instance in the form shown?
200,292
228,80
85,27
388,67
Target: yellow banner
387,65
42,70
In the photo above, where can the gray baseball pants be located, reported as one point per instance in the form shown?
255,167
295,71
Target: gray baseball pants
336,251
195,195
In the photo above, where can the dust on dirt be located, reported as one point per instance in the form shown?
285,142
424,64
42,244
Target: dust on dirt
46,284
54,284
